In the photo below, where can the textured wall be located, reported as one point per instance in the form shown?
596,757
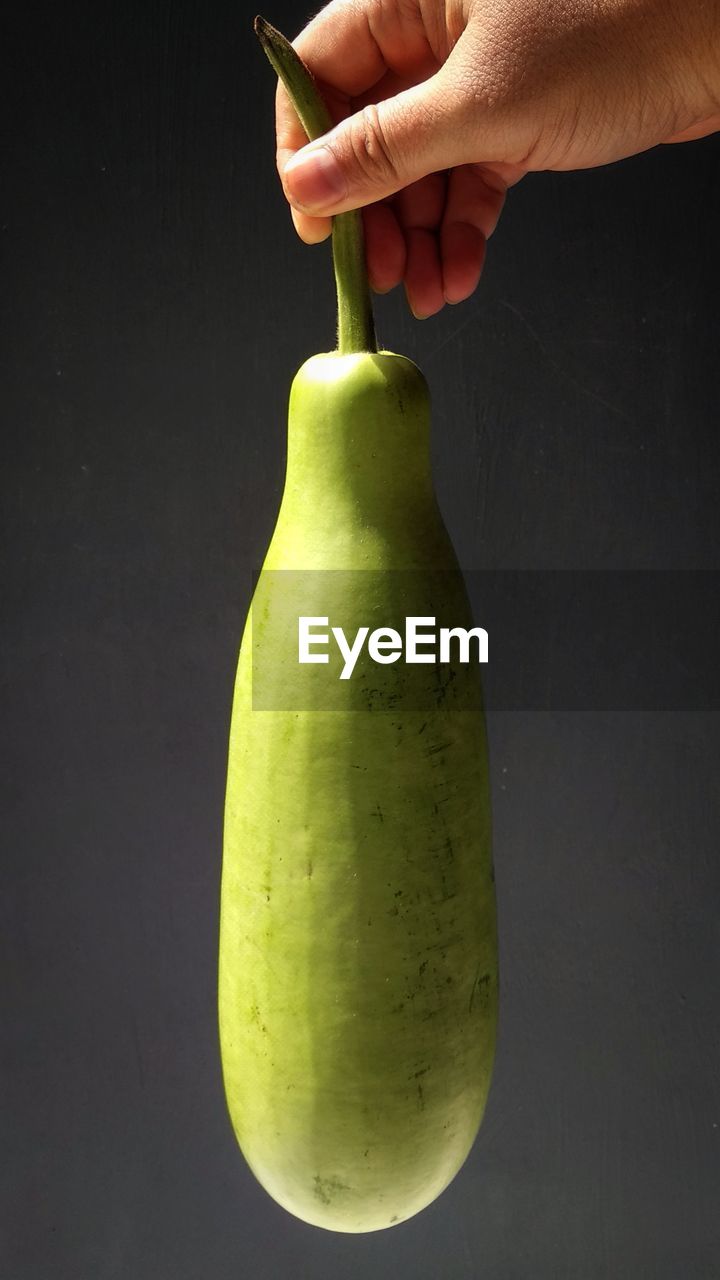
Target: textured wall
155,307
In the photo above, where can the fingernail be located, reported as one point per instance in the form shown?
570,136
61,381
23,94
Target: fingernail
314,179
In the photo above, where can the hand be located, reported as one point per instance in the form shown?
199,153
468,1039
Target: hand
441,106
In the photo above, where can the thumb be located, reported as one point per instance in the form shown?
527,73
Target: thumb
384,147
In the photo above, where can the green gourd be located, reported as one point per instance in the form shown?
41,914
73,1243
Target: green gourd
358,951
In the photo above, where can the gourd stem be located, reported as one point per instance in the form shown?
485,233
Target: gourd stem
356,329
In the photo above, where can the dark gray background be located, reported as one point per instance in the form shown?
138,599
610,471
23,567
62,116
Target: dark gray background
155,307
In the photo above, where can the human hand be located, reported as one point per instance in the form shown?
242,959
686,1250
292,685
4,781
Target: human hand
441,105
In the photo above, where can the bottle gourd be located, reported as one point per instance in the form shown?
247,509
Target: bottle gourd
358,953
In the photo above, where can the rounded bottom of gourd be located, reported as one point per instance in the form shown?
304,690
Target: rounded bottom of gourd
329,1200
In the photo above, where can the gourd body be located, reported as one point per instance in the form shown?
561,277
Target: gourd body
358,958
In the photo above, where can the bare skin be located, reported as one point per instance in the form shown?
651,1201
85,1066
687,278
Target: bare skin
440,107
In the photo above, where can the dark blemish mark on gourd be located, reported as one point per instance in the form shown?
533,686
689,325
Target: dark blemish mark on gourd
309,870
423,1071
394,911
394,1219
443,945
422,968
365,1153
377,813
325,1188
421,1098
483,981
423,728
398,1008
439,746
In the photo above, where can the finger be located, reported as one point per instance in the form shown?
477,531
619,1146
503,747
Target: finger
385,249
350,46
289,133
423,274
462,250
291,136
473,205
311,230
422,203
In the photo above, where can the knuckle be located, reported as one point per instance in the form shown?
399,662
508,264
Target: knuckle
370,146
